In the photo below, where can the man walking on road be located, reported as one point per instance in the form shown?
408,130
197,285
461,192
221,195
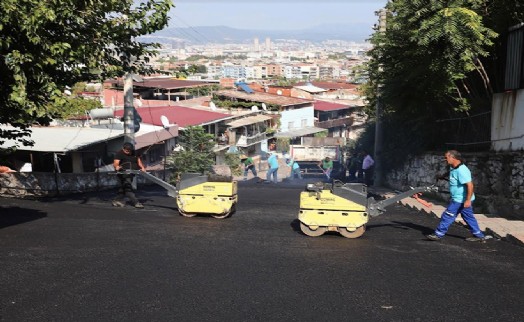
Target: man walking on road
126,159
272,162
462,197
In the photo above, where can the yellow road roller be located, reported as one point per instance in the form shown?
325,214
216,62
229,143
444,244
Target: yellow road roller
200,194
344,208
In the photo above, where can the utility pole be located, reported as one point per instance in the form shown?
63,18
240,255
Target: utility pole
379,135
129,115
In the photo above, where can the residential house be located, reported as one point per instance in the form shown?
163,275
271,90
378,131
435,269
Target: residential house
308,91
334,117
290,117
183,117
334,90
161,88
77,149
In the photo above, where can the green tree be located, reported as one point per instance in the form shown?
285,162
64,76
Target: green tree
72,106
431,63
429,48
204,90
196,154
233,161
48,45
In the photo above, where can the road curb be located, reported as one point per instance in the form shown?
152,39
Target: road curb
508,230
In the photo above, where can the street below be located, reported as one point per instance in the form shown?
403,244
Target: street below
77,258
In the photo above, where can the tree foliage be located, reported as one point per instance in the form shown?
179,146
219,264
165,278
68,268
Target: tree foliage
72,107
428,49
196,154
48,45
431,62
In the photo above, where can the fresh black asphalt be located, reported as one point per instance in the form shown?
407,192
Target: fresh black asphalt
78,258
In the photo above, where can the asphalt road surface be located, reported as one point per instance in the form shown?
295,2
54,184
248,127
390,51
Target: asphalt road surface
80,259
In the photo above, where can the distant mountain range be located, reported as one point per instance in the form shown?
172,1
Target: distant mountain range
357,32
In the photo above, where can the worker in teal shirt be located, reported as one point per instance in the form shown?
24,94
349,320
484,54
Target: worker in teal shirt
272,162
295,169
462,197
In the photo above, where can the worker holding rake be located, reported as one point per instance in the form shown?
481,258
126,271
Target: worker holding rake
327,166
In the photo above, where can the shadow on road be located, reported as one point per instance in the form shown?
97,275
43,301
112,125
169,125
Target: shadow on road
11,216
295,225
423,229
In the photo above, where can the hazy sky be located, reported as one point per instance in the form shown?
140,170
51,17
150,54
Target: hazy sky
273,14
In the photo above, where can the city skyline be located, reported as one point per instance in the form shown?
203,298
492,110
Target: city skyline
272,15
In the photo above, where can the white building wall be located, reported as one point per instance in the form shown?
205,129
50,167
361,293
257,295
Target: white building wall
294,119
288,71
250,72
507,121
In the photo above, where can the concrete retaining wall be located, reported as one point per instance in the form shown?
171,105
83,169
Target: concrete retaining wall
498,179
43,184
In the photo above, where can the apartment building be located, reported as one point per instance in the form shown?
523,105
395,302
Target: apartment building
233,71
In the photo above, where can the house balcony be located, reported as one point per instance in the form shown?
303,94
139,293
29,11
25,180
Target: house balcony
244,140
344,121
250,139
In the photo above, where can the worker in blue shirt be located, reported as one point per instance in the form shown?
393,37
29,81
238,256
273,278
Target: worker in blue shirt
272,162
295,169
462,197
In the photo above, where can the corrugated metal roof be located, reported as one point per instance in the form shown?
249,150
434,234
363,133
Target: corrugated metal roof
311,89
264,98
330,85
182,116
514,76
64,139
163,83
299,132
249,120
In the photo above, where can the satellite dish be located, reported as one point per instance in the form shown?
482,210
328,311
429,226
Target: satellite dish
279,92
212,106
138,102
254,108
264,106
165,121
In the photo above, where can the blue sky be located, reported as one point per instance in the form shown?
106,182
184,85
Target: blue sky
273,14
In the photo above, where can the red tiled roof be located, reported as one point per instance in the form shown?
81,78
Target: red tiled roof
328,106
183,116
